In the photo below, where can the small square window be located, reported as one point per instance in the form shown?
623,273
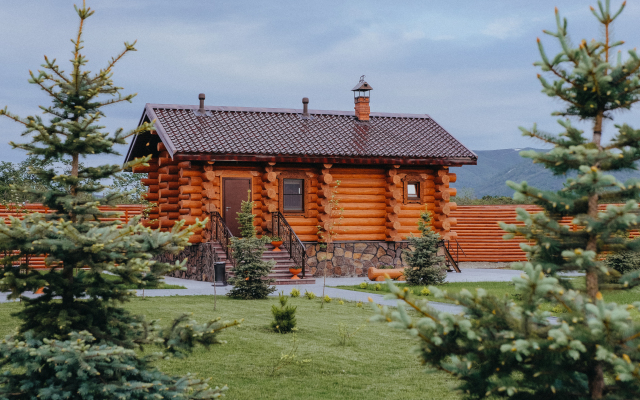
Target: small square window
413,191
293,195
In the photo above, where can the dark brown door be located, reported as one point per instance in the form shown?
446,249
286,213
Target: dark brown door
234,192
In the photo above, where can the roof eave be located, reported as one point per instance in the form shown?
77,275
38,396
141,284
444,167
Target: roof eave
284,158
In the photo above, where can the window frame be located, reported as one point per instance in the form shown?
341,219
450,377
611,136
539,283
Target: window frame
306,181
413,180
301,195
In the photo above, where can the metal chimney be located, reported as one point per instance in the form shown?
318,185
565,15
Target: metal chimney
201,98
305,107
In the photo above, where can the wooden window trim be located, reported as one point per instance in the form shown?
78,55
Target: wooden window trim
305,195
413,179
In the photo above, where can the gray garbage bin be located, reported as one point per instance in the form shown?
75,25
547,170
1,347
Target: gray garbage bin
221,276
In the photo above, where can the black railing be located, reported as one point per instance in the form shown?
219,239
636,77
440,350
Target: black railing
450,261
290,240
221,234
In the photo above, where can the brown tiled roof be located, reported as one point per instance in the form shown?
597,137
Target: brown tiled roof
284,132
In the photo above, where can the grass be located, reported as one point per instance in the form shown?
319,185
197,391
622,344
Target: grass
111,277
499,289
376,364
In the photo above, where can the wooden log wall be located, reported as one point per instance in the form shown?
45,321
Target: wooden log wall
210,196
190,197
268,196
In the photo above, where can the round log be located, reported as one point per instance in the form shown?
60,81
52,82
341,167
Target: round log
154,188
148,182
173,200
393,180
269,176
442,172
195,181
168,193
452,177
195,239
209,175
325,178
453,206
167,177
185,173
162,161
374,273
393,225
141,169
444,225
442,196
453,191
392,172
210,207
190,204
210,194
269,193
442,180
169,169
169,207
151,196
161,146
173,215
325,193
394,209
165,223
152,175
428,184
190,189
185,164
393,194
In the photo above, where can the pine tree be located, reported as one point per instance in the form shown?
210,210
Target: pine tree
502,349
250,280
284,317
79,321
425,266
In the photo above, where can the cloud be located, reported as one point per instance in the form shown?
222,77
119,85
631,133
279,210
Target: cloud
504,28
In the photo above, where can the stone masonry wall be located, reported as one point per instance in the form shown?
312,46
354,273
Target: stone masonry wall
199,262
354,258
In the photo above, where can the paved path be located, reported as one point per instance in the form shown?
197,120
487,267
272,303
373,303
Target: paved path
198,288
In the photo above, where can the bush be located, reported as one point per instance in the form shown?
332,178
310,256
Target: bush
327,299
377,287
364,285
295,292
425,292
425,266
623,262
309,295
284,317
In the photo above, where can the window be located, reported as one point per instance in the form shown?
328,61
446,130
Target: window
412,192
293,195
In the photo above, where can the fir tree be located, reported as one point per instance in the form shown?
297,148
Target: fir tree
284,317
250,280
425,266
502,349
79,321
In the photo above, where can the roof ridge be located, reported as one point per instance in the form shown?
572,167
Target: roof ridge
282,110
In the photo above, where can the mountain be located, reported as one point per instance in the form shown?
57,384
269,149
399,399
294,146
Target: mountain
495,167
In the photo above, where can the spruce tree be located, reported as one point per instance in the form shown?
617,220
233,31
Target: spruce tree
498,348
76,340
425,266
251,273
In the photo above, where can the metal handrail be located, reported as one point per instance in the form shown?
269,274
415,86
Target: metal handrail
290,240
220,233
446,245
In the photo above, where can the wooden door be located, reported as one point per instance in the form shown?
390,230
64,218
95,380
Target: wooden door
234,191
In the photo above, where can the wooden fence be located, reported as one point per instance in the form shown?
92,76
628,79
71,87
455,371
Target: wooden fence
127,211
480,236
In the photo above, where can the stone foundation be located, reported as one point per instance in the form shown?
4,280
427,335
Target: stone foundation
199,262
354,258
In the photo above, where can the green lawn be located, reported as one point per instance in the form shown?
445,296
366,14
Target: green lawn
497,289
111,277
377,364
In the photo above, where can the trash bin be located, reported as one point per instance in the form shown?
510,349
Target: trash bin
220,273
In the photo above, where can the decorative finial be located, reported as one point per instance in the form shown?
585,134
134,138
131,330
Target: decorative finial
361,79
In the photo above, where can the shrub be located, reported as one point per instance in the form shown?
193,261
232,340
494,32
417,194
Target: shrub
364,285
425,292
385,267
341,302
284,317
359,304
295,292
425,266
377,287
309,295
327,299
624,262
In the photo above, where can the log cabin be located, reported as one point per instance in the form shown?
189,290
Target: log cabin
383,169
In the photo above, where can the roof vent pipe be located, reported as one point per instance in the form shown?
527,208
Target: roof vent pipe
305,107
201,98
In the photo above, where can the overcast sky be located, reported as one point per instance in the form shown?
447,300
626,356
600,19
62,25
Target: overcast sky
468,64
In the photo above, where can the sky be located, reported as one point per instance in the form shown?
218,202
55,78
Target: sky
468,64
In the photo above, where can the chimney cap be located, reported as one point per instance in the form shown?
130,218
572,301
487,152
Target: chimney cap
362,86
305,100
201,96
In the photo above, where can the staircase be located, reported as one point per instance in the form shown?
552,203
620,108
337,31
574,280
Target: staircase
280,271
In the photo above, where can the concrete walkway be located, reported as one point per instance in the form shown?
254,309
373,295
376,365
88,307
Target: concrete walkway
198,288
